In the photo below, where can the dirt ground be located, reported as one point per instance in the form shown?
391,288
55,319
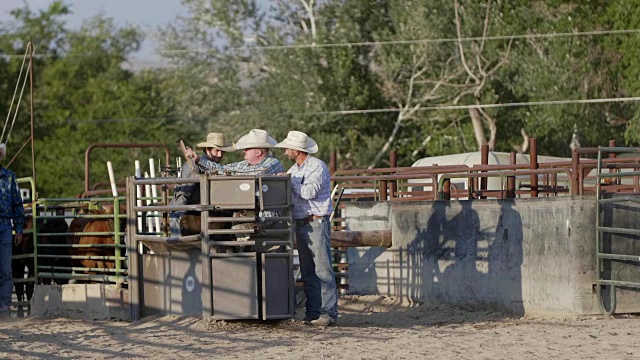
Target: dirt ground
369,327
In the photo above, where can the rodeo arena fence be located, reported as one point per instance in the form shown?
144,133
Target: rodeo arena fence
239,261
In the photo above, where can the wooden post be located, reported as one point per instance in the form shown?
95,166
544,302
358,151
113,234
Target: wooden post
612,155
533,165
575,169
511,180
484,160
393,163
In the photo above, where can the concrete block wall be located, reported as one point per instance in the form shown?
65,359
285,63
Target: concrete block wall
527,256
81,301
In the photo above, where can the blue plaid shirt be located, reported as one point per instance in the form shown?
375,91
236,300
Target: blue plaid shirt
311,185
10,201
268,165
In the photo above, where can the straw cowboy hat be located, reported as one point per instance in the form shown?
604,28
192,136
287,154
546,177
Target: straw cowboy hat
3,151
216,140
256,139
297,140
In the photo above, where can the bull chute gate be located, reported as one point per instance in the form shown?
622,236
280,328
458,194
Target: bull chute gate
238,266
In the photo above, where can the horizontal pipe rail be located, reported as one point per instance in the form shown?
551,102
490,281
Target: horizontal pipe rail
619,283
170,240
74,268
80,246
101,278
620,199
80,257
621,257
614,230
232,243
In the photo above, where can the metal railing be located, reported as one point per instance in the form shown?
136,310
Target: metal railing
79,253
601,228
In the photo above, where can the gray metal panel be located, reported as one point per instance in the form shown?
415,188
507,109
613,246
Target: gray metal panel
185,270
274,191
152,299
277,286
234,286
233,193
171,283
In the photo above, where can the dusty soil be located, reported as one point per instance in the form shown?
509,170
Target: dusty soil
369,327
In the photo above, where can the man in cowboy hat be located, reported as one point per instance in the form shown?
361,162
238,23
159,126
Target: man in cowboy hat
213,149
311,186
257,160
257,156
11,218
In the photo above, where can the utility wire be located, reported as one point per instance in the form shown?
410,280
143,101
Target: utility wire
396,110
423,41
481,106
375,43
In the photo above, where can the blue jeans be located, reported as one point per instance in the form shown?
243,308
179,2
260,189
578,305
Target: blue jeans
6,280
315,267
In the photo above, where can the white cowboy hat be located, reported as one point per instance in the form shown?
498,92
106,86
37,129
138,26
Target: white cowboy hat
256,139
297,140
216,140
3,151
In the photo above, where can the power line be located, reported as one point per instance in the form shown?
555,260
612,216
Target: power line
424,41
481,106
371,43
392,110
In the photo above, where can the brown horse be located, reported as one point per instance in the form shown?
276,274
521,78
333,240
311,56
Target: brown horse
88,225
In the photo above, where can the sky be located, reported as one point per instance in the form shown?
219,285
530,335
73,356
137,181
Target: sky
146,14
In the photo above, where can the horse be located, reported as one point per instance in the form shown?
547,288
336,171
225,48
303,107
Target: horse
24,290
56,256
90,225
18,267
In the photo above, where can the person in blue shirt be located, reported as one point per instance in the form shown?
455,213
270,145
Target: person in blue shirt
11,218
311,186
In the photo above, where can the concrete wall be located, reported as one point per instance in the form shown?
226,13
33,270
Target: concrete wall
527,256
82,301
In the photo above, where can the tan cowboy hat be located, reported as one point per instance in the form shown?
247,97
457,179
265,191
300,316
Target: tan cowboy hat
216,140
256,139
3,151
297,140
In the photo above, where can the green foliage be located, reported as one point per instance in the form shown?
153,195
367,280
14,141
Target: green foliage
84,95
237,65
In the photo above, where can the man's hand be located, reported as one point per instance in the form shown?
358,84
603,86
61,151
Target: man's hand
17,239
189,153
281,174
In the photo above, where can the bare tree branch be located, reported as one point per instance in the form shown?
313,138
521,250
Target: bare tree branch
521,149
486,26
460,48
308,6
476,120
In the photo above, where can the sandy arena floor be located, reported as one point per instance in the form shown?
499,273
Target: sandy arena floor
370,327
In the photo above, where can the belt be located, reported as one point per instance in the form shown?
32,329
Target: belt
307,220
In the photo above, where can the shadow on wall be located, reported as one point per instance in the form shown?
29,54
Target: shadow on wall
454,261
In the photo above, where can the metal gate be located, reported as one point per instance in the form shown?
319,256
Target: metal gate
617,213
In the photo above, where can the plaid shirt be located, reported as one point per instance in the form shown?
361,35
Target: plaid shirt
10,201
268,165
311,185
